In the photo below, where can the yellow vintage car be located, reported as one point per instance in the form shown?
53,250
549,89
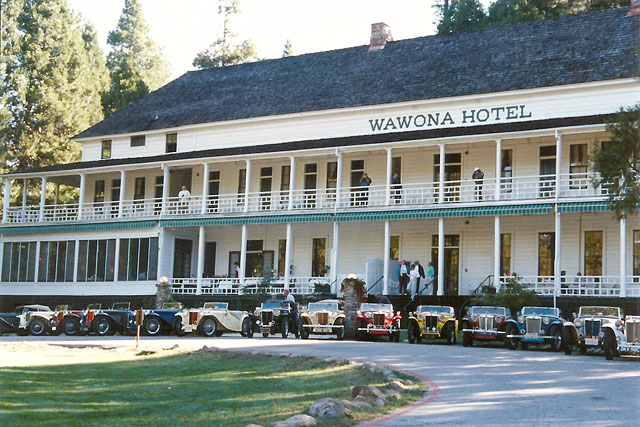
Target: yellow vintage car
322,318
432,321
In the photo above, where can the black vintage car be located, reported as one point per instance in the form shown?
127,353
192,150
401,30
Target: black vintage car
277,316
118,318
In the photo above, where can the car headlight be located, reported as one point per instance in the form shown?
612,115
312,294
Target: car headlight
601,334
389,315
441,318
520,319
257,312
498,319
276,312
474,318
545,320
578,323
368,315
618,323
421,317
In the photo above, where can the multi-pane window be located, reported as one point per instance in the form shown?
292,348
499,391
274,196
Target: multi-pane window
285,178
505,254
357,169
139,188
115,190
56,261
214,183
394,249
106,149
171,145
636,252
282,253
138,141
18,262
396,166
546,253
593,253
96,260
332,175
318,257
578,166
138,259
242,185
98,195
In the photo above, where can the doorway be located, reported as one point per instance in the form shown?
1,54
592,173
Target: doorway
259,262
182,258
178,178
209,259
452,176
547,171
451,269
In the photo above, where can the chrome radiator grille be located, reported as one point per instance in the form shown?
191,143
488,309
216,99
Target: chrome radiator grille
633,330
323,318
378,319
430,322
533,325
267,317
591,328
485,322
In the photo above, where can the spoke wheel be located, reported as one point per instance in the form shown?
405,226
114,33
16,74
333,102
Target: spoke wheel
70,326
102,326
512,343
247,331
208,327
557,342
152,326
37,327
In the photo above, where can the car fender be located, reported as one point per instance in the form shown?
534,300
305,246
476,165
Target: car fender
569,326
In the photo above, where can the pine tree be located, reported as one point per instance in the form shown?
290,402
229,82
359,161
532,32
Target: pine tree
458,15
288,50
135,64
225,50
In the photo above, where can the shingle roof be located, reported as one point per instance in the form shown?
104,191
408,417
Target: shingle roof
574,49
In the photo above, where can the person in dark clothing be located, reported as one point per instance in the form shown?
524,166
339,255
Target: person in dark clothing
396,188
478,176
365,182
420,276
382,299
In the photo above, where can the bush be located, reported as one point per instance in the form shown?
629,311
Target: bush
512,295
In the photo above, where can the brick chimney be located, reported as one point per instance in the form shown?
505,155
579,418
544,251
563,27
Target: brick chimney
380,35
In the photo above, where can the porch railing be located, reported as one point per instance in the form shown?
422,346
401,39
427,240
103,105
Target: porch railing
589,286
253,285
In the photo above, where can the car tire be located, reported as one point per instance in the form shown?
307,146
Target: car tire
557,343
70,326
396,333
22,332
609,344
37,327
247,330
412,331
467,339
449,333
566,341
152,326
339,331
582,348
102,326
511,343
265,334
304,332
284,328
208,327
359,333
524,345
177,327
218,333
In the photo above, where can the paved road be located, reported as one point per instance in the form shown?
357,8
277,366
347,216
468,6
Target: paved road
471,386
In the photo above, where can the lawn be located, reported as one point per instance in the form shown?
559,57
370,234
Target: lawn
169,388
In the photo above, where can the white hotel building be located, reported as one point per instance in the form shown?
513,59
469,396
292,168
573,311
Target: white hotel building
272,153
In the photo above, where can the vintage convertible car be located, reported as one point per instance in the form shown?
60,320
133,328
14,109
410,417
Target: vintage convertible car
432,321
277,316
377,319
484,323
602,327
162,319
212,320
118,318
71,322
535,325
323,318
29,319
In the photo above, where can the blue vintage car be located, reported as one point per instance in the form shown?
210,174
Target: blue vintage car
163,319
119,318
535,325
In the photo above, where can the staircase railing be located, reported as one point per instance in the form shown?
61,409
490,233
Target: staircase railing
488,281
418,294
374,284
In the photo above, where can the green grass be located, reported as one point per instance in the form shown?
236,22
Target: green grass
203,387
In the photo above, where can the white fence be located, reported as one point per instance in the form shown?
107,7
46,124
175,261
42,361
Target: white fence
252,285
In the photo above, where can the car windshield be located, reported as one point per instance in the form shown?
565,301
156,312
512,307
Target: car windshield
501,311
435,309
62,307
540,311
270,305
96,306
216,305
376,307
172,306
121,306
323,306
599,311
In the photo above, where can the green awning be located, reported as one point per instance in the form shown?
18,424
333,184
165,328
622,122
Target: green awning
64,228
253,219
600,206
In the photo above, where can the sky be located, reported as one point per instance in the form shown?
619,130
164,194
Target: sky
182,28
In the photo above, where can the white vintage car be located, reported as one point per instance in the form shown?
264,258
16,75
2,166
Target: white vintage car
323,318
29,319
603,327
214,319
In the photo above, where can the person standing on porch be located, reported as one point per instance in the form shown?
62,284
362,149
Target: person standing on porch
365,182
413,279
396,188
431,276
478,176
236,268
403,276
183,199
420,276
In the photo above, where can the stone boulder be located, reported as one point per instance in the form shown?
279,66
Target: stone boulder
358,405
368,391
398,386
393,394
300,420
327,408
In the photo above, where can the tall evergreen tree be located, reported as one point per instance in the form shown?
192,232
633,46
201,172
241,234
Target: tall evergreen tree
288,50
225,50
135,64
50,84
457,15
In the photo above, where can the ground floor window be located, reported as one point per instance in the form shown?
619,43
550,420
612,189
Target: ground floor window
282,253
138,259
318,257
505,254
56,261
96,260
209,259
394,250
546,253
182,258
451,267
593,253
18,261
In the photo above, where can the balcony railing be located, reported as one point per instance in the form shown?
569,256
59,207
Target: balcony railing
253,285
579,286
409,194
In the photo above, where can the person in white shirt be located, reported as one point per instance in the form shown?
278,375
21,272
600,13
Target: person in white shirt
288,296
183,199
413,279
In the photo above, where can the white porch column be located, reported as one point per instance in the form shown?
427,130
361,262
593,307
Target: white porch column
385,258
441,181
205,188
558,162
623,257
165,189
338,179
24,193
387,193
292,182
201,238
43,198
116,264
243,254
287,256
123,189
36,267
334,259
498,168
6,200
160,271
56,193
83,188
557,260
76,257
2,253
247,186
496,252
440,254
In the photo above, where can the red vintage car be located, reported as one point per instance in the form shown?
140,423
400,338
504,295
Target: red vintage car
71,322
377,319
484,323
